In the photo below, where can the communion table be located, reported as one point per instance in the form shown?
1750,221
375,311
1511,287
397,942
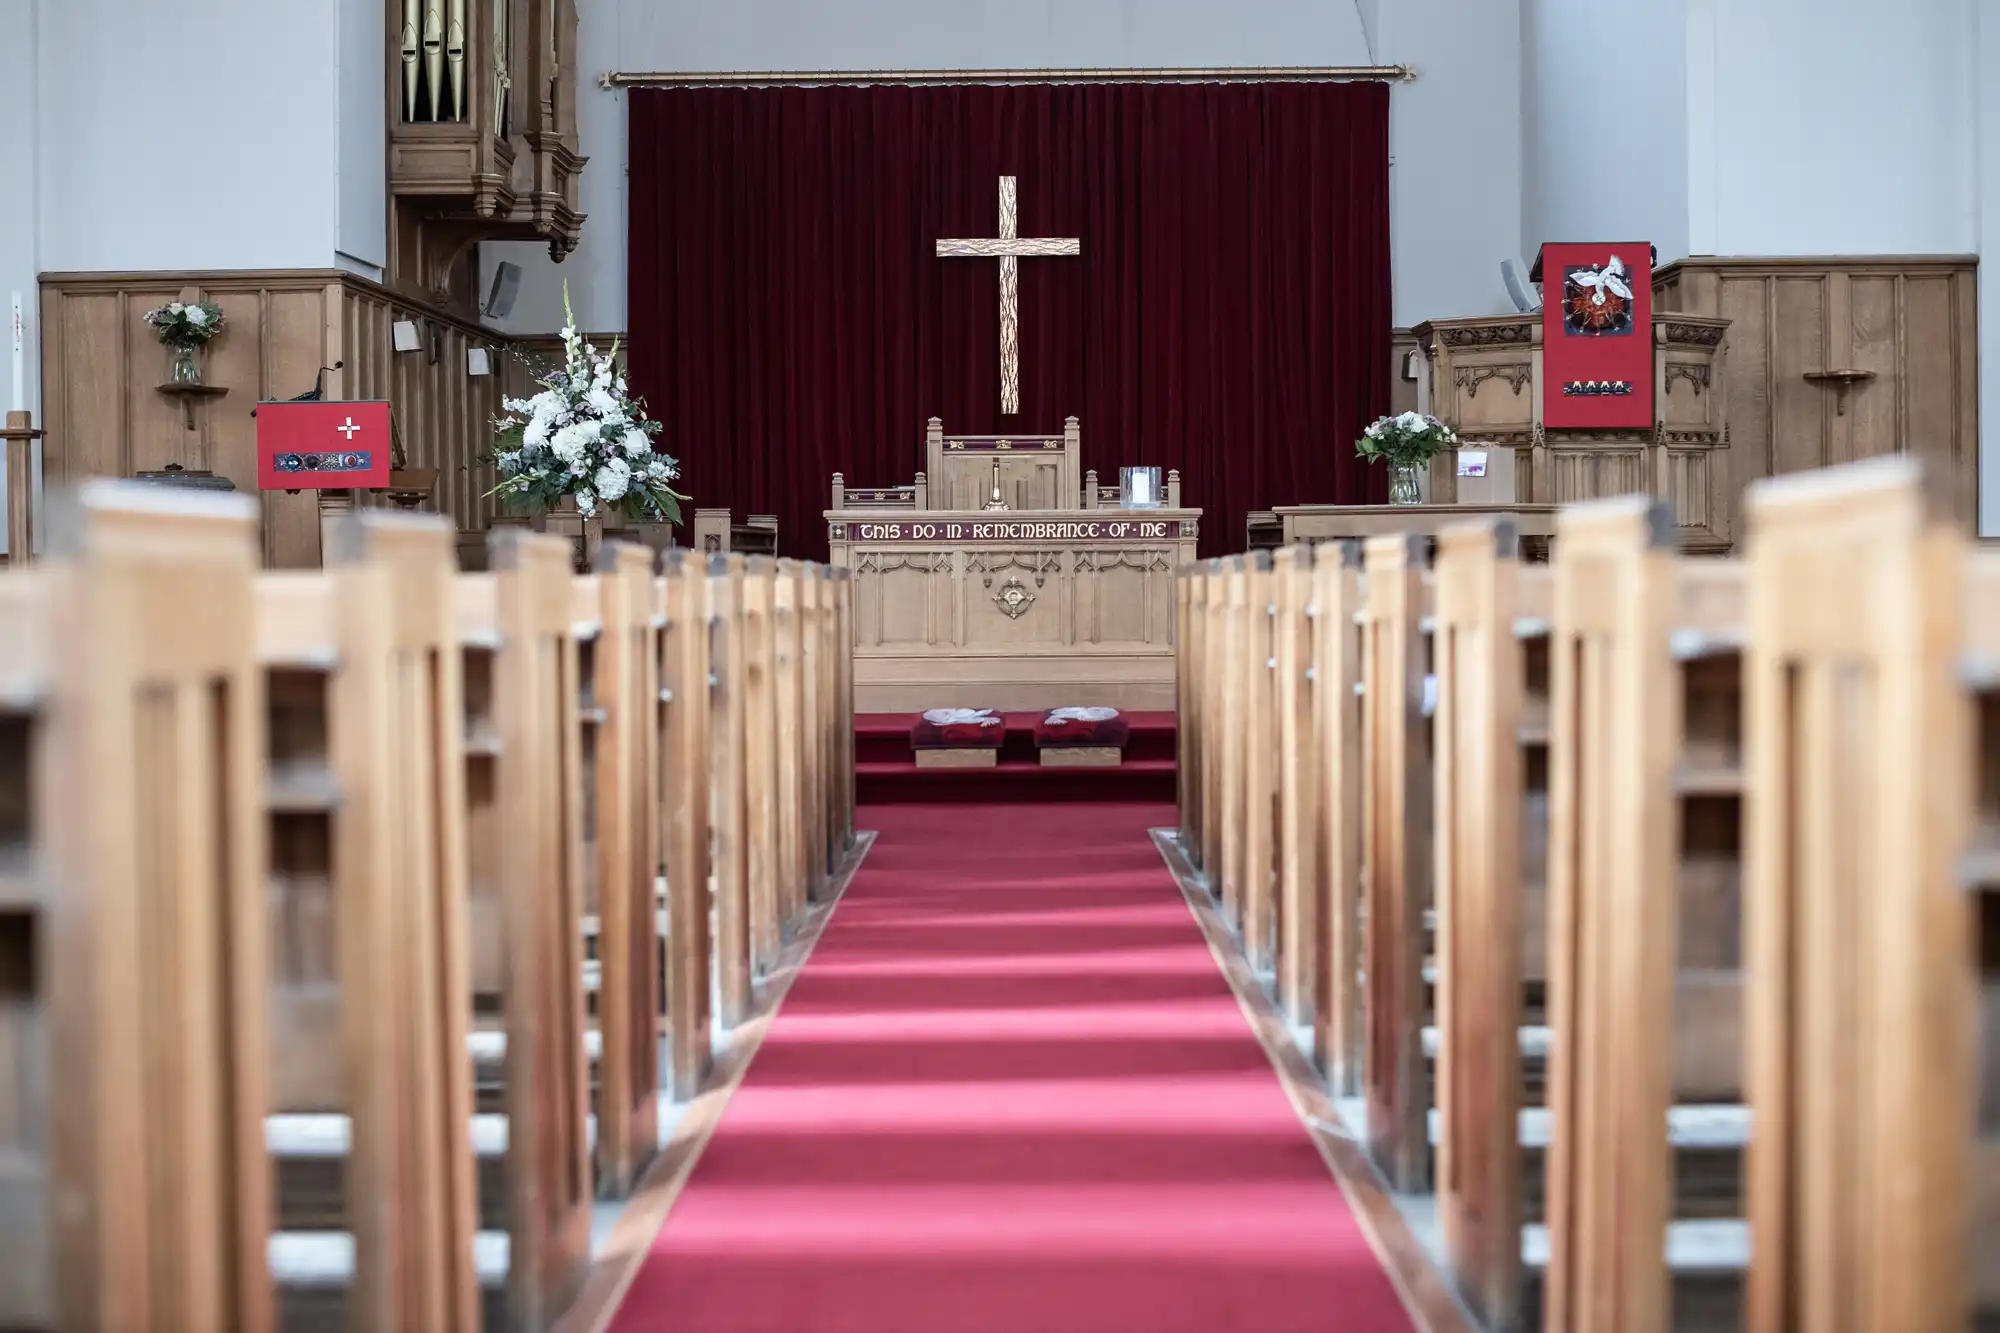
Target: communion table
1059,598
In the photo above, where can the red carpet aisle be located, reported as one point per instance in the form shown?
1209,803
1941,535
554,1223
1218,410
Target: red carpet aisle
1011,1093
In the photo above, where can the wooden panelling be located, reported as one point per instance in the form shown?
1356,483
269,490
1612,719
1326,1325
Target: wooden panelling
106,417
1908,323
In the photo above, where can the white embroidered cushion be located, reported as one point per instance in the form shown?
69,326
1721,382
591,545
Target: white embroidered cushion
1062,715
958,717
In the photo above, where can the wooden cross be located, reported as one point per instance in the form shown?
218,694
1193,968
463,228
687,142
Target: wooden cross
1009,250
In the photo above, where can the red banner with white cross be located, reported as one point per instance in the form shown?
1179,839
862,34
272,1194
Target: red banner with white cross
308,446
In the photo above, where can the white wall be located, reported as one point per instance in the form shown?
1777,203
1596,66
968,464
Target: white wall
1604,159
188,135
361,239
1832,126
1454,133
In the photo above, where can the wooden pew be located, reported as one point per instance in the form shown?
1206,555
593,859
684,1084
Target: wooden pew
685,755
1396,855
1337,724
132,914
787,665
1214,739
729,806
843,720
1479,804
1257,895
1190,607
1296,842
1645,966
1869,671
620,714
763,856
1226,881
1979,873
524,795
371,1091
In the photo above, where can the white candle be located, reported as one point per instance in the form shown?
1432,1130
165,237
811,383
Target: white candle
1140,482
20,358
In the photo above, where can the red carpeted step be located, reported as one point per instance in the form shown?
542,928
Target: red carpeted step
885,739
901,782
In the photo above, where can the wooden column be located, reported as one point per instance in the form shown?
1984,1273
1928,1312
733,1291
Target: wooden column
20,436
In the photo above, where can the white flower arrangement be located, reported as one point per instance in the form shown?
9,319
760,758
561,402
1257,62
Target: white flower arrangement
583,436
1409,440
186,324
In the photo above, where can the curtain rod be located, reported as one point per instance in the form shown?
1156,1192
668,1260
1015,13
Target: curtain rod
1226,74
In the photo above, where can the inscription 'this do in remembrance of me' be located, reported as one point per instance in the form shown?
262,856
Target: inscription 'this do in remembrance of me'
1089,530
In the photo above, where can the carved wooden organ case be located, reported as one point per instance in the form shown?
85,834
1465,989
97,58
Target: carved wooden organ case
482,136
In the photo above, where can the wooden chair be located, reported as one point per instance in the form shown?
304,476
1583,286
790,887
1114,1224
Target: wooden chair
134,910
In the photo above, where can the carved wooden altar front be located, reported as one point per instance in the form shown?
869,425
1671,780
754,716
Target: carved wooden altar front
1015,608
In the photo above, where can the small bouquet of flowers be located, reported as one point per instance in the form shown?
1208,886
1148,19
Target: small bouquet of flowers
186,324
1407,443
585,437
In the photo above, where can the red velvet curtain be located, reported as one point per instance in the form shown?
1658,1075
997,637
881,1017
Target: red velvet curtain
1229,315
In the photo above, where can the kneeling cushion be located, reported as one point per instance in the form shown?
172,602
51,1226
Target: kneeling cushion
1063,728
958,729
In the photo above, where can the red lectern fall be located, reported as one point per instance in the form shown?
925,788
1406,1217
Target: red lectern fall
1597,334
304,446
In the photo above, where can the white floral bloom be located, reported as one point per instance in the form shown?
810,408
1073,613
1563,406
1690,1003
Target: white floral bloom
570,441
658,470
635,442
613,479
600,401
196,316
536,432
175,307
1410,421
586,502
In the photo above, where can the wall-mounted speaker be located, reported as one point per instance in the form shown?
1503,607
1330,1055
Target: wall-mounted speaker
1525,300
478,362
501,294
405,334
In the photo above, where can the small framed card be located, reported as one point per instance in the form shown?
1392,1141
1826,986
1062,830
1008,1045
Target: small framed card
1139,487
1471,462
